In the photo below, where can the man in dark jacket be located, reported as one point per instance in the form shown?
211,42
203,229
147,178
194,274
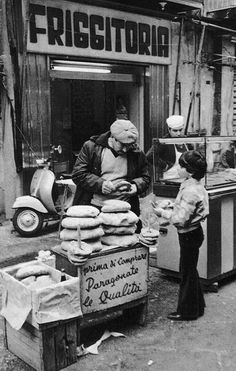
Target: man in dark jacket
107,159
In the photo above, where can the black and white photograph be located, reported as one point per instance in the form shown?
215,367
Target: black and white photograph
117,185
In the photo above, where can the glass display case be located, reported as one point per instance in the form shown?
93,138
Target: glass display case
220,153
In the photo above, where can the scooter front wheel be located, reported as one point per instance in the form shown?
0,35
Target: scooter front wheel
27,222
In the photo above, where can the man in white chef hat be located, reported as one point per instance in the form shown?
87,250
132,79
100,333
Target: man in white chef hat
169,154
108,160
175,125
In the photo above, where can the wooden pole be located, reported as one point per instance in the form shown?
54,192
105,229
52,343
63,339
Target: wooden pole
198,59
177,66
79,236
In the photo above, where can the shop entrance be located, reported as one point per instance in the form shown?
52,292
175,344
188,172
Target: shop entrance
85,103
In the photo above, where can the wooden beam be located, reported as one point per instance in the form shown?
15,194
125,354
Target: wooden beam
197,4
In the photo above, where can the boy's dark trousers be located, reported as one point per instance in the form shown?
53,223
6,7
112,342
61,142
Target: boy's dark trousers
191,302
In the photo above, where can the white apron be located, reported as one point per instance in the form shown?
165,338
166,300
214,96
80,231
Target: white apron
173,171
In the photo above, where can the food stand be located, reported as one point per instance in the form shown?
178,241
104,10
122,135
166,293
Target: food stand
114,272
218,252
101,272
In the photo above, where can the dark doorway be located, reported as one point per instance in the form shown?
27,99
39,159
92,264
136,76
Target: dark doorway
83,105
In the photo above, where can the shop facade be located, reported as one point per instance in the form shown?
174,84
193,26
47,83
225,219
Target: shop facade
77,65
95,68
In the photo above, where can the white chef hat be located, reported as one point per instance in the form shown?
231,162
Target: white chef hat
175,122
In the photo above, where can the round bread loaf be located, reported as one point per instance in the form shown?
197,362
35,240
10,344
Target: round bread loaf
109,229
86,234
146,241
150,233
84,223
150,240
115,206
95,244
73,247
76,259
123,186
119,219
82,211
31,270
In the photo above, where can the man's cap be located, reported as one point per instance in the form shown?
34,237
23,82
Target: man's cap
124,131
175,122
194,161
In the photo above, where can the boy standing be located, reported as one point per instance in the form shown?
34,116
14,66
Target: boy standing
187,212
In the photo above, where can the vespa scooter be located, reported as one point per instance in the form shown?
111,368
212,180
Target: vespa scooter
48,200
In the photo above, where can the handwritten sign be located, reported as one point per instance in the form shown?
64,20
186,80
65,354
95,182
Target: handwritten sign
114,279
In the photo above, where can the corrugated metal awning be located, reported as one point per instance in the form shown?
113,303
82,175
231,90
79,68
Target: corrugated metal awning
215,5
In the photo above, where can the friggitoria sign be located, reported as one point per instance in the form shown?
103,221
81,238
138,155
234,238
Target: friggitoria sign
68,28
214,5
114,279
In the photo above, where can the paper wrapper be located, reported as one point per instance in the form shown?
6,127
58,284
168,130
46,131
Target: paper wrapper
16,303
59,301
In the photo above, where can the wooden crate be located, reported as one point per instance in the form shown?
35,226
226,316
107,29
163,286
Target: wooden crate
50,347
41,310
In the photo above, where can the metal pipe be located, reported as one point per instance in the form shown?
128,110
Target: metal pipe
213,25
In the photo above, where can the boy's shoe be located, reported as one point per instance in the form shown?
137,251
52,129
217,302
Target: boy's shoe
175,316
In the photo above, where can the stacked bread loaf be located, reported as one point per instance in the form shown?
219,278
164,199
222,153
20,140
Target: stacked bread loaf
119,223
149,236
84,217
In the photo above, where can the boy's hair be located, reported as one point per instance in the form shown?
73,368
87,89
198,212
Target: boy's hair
195,163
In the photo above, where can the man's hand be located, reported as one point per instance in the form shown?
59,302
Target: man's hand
133,190
107,187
